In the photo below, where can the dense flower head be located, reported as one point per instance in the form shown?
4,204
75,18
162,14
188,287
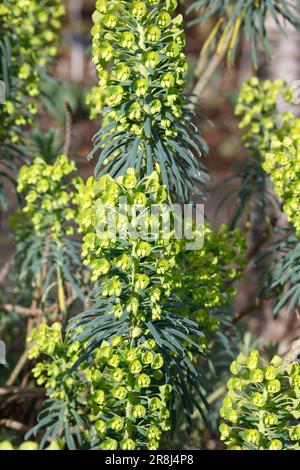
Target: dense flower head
261,409
257,106
204,280
282,162
51,195
273,137
121,389
142,43
138,52
130,244
29,28
134,258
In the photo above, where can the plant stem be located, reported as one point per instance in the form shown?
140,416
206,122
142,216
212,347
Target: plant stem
247,310
19,366
212,67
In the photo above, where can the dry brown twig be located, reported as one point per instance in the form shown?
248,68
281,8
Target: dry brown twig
12,424
69,129
27,312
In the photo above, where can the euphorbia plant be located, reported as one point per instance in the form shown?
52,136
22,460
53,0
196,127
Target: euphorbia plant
272,136
118,375
136,349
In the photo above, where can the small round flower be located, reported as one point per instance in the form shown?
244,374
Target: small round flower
143,380
252,436
116,423
158,362
127,40
256,376
270,373
109,444
105,52
155,404
253,360
258,399
295,381
274,386
270,419
120,393
275,444
153,34
127,444
294,433
147,357
164,19
153,433
100,427
135,367
225,431
151,59
235,368
99,397
138,411
138,10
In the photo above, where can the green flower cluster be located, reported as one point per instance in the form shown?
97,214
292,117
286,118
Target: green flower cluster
129,242
130,245
138,52
29,37
257,106
282,162
51,197
262,406
48,341
121,389
143,44
205,273
130,407
274,137
142,272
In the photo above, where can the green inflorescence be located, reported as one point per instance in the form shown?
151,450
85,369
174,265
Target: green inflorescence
29,41
282,162
135,269
261,409
163,303
120,391
51,195
274,136
257,107
138,52
144,47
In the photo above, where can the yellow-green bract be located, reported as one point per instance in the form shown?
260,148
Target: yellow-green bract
261,409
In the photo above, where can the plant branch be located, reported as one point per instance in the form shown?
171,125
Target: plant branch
22,391
243,313
69,129
212,67
4,271
27,312
12,424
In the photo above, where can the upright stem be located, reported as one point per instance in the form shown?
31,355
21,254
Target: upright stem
60,286
213,65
